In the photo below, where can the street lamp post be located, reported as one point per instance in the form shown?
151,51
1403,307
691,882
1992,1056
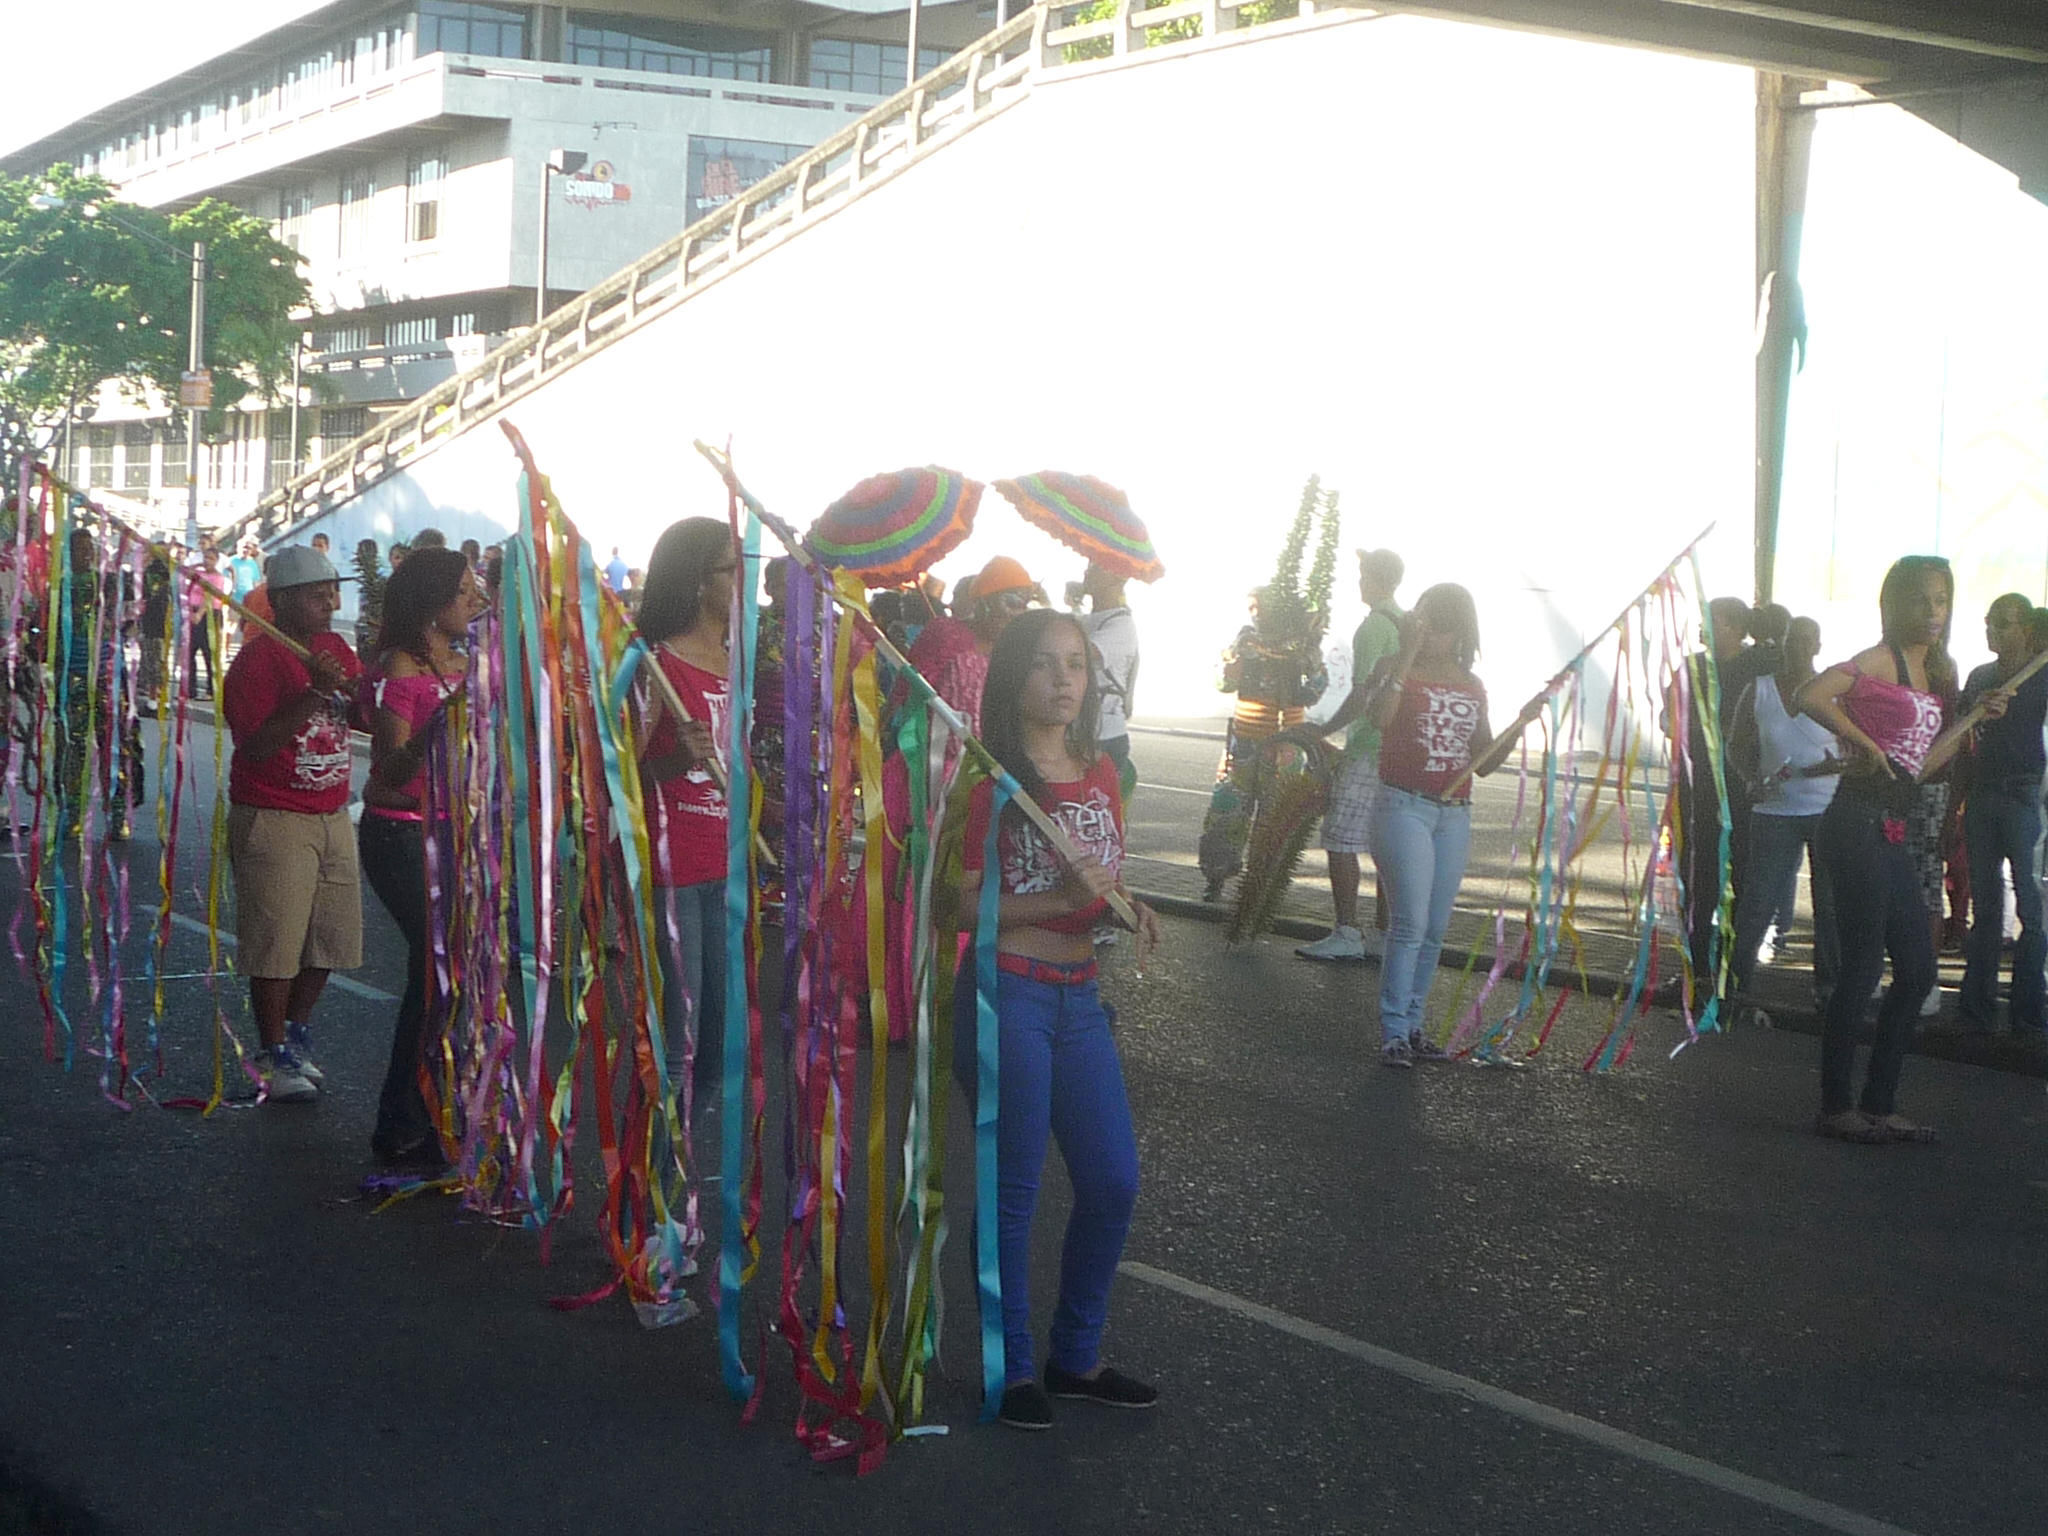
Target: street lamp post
564,162
197,367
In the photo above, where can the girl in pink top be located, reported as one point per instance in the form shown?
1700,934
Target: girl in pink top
428,608
1884,704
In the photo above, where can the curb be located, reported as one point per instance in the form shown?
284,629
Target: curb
1997,1052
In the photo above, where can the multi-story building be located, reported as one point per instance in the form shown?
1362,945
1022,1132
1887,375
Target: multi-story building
405,150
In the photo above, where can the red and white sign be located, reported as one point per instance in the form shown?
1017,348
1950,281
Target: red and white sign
601,188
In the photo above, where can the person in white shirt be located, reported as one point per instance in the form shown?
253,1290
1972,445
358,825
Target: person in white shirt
1113,642
1791,765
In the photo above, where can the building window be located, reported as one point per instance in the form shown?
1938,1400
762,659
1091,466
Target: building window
294,207
721,169
99,457
413,333
872,69
668,47
338,426
135,439
347,338
174,454
423,176
462,26
278,465
358,197
462,325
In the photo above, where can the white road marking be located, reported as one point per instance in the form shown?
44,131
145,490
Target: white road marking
342,983
1713,1475
1175,789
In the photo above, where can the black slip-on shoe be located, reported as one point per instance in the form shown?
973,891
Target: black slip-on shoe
1025,1406
1109,1387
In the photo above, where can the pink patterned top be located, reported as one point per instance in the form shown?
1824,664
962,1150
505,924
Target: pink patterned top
413,699
1903,721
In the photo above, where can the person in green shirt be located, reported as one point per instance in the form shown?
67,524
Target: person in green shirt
1356,781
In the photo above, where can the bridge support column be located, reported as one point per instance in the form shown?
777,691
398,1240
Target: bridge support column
1784,142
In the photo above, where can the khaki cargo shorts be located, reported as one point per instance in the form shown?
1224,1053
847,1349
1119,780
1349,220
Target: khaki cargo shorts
298,895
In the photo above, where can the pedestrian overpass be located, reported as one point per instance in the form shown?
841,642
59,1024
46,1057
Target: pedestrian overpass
1496,285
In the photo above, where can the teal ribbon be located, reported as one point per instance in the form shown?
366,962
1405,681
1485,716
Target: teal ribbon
522,640
987,1109
738,902
69,797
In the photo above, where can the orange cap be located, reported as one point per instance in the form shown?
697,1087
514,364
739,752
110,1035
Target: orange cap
1002,574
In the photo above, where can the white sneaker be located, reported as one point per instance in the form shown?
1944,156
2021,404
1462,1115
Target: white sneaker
1338,944
284,1077
1375,941
1932,1007
300,1038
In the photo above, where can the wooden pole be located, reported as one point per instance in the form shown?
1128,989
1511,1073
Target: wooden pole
197,578
1054,833
1940,752
1585,650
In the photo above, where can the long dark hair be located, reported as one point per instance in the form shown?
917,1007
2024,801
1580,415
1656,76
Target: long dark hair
1002,718
1463,616
684,557
420,588
1901,582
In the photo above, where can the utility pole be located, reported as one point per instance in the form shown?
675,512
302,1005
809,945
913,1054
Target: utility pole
564,162
197,367
910,62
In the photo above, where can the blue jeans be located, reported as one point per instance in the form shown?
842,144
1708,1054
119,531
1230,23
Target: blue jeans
1878,908
1061,1080
2001,825
693,981
1770,890
1420,848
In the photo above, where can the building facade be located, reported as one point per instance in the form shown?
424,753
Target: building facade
404,153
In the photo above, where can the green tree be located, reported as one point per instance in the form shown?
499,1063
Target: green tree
93,289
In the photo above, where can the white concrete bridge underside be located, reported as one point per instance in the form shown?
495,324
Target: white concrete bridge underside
1495,288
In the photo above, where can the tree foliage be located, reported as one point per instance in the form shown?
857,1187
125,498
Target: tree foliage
94,289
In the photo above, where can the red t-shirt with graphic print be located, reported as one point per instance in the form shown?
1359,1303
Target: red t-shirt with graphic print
1088,809
687,818
1429,741
309,774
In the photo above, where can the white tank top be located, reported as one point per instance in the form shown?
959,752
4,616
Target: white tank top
1785,744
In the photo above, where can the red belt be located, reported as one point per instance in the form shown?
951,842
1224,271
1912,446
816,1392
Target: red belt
1045,970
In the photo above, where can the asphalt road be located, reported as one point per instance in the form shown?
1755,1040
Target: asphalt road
1448,1300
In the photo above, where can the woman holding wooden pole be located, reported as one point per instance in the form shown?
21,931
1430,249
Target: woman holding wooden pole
1885,705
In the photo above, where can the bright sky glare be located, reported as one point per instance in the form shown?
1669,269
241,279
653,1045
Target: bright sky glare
113,48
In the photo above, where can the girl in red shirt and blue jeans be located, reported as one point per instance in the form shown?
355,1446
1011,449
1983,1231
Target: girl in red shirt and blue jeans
1060,1075
685,611
1434,737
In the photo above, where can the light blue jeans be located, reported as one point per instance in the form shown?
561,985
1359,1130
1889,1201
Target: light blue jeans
1420,847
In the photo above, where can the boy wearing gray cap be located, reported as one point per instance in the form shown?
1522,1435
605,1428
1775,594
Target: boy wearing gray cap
298,897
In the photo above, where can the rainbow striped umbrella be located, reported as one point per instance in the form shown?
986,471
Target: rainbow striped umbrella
892,527
1089,517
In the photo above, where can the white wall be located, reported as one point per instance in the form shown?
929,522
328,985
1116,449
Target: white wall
1494,288
1920,422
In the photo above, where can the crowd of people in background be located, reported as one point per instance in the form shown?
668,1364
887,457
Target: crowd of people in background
1914,841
